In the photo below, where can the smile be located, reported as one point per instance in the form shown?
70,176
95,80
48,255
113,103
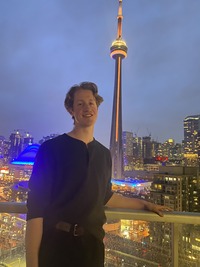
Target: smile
87,115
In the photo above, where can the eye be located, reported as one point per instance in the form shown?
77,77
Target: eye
92,103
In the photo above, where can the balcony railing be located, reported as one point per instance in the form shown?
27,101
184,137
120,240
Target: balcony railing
133,238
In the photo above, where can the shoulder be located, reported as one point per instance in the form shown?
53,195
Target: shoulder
53,143
102,147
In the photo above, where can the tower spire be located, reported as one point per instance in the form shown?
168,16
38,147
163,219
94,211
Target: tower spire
118,51
119,18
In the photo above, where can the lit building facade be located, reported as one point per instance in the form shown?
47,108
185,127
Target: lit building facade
137,153
177,187
118,51
127,142
173,151
192,140
27,140
147,148
16,144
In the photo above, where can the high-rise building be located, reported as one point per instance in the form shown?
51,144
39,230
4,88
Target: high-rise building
2,140
137,147
147,149
167,148
172,151
28,140
192,140
16,143
127,138
118,51
137,152
156,148
5,152
127,141
177,187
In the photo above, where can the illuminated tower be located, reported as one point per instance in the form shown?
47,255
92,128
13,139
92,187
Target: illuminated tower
118,51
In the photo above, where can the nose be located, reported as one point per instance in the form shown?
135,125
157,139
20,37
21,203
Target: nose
86,106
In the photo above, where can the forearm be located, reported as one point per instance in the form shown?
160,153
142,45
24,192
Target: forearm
34,229
119,201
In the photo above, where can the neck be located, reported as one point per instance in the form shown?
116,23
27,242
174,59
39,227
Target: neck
83,134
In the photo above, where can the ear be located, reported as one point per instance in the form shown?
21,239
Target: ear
71,111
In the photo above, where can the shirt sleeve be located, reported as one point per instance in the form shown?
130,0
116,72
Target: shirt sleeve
40,183
108,194
109,191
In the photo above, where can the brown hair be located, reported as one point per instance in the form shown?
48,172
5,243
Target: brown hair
69,99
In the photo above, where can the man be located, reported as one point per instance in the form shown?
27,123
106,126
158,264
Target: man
69,187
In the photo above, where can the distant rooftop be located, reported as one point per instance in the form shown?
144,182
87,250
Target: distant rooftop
27,156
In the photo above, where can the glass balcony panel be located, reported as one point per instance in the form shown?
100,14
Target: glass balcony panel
147,241
149,244
12,234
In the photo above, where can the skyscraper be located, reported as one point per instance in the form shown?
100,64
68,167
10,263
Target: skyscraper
147,148
192,140
177,187
16,144
127,142
28,140
118,51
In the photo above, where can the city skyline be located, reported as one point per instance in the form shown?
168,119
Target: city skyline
48,46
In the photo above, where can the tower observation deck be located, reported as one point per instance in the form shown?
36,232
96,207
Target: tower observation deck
118,51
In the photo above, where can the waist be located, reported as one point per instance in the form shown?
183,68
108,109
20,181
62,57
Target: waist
74,229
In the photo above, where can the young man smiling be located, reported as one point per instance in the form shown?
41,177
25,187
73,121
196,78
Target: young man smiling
69,187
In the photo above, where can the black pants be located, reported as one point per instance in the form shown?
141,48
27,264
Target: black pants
61,249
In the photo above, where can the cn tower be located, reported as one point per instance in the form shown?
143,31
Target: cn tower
118,51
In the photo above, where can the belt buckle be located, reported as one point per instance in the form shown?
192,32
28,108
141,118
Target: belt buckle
75,230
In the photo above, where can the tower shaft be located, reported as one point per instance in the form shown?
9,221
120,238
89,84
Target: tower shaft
118,51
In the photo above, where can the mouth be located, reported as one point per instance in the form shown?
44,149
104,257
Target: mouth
87,115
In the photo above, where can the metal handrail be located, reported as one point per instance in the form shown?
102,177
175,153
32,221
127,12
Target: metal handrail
13,207
113,213
169,217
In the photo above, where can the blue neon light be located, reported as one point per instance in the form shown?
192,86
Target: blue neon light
27,156
132,183
22,162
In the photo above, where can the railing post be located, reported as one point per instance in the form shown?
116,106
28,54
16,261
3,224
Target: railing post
175,242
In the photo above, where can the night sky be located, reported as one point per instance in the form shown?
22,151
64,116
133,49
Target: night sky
46,46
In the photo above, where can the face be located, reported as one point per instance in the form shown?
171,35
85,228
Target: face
84,108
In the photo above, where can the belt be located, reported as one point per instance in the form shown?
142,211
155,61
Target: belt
74,229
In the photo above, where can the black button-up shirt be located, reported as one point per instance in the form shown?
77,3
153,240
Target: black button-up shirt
71,182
